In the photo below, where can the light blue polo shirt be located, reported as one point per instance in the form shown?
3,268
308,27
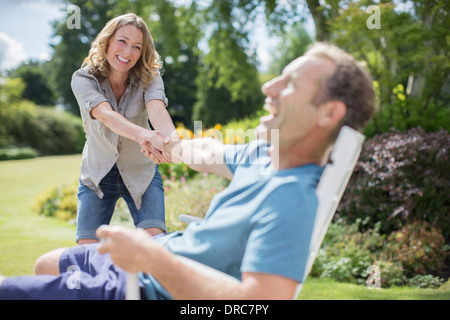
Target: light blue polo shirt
262,222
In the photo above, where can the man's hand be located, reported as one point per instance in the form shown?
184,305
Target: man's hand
128,248
160,142
152,144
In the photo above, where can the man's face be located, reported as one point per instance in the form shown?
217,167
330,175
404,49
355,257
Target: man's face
288,100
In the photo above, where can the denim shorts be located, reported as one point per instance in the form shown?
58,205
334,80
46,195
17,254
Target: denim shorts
92,212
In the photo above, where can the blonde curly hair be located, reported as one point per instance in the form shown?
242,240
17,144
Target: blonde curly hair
145,68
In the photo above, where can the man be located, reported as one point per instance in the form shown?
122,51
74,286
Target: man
258,230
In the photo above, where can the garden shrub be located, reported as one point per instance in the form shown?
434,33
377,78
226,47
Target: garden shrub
425,281
59,202
407,257
17,153
419,247
176,171
400,183
48,131
346,254
401,177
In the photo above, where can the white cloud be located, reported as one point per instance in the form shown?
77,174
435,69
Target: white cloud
12,52
28,31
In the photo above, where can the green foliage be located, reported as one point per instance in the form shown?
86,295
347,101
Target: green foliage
293,44
346,254
36,80
426,281
46,130
17,153
210,64
228,86
409,50
176,171
176,33
59,202
408,257
401,177
214,104
11,90
399,189
419,247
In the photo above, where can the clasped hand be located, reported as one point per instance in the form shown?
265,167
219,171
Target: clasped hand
153,145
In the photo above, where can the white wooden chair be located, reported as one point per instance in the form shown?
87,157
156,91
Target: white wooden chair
330,189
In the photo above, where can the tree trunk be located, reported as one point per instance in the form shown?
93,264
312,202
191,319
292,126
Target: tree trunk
320,20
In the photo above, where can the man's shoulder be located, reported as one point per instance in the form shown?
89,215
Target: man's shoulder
245,154
254,148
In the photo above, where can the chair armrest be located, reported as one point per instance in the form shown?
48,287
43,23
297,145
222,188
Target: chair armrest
186,218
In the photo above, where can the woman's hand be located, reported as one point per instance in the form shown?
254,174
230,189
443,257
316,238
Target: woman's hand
152,142
154,146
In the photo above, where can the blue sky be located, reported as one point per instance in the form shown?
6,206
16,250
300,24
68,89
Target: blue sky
25,29
25,32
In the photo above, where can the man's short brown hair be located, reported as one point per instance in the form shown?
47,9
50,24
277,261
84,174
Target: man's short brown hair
350,83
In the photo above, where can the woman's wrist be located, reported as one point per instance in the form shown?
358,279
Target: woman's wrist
144,136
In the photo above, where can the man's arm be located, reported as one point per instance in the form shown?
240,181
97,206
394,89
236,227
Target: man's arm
135,251
203,154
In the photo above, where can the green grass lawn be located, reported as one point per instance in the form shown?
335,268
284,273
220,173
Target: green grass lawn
327,289
24,235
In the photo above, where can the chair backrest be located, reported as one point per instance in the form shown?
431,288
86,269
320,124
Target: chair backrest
331,187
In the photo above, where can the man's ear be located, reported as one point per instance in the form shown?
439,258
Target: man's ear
332,112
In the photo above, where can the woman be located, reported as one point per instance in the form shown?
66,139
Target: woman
119,89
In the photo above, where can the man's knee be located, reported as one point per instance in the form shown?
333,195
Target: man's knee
1,279
48,263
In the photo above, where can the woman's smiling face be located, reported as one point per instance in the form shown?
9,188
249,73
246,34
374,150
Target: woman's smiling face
124,49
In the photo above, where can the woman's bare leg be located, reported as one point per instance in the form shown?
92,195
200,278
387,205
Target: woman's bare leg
48,263
87,241
154,231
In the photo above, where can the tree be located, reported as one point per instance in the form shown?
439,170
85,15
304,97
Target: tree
176,32
36,80
403,54
293,44
323,12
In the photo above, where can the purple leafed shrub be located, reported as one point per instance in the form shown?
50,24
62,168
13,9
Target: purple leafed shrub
401,177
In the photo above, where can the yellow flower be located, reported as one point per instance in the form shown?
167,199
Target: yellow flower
184,133
213,133
238,140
